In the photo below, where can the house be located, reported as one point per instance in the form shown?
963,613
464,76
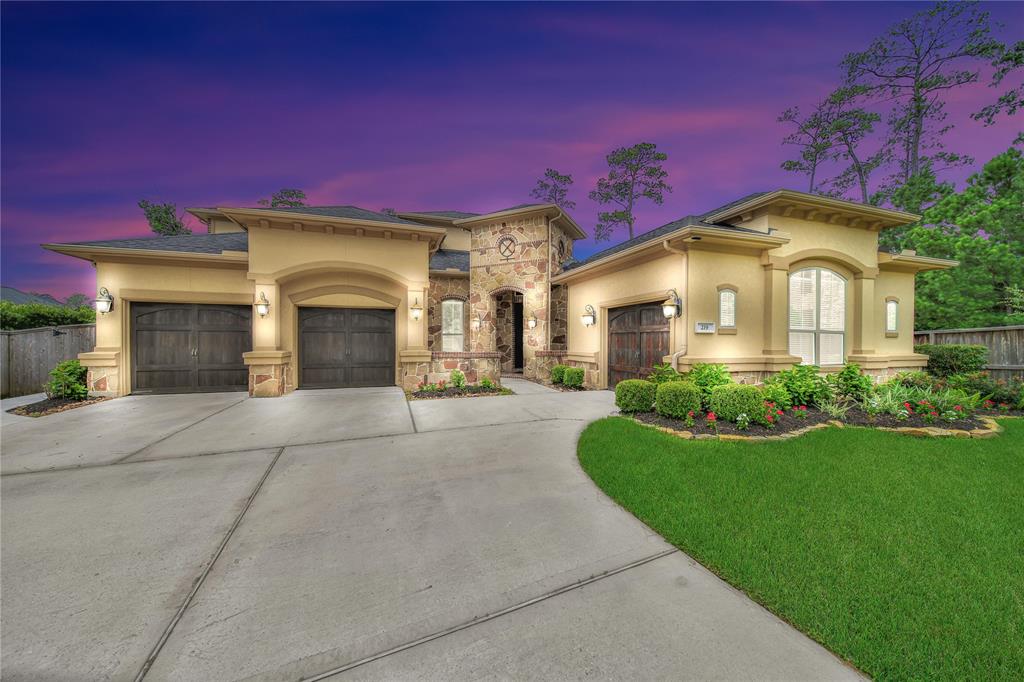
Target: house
336,296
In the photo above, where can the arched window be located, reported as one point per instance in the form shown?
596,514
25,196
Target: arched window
817,316
452,324
892,316
726,308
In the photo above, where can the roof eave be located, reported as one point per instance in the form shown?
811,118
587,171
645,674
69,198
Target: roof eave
92,253
296,217
904,262
547,209
893,218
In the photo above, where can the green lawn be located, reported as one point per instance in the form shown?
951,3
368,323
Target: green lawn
903,555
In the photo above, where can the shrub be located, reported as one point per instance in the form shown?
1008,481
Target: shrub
573,377
558,373
729,401
996,390
635,395
486,383
458,379
662,373
677,399
850,383
916,379
777,393
67,380
804,384
835,407
954,358
706,377
32,315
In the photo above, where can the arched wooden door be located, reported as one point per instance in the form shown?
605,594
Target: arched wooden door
346,347
638,339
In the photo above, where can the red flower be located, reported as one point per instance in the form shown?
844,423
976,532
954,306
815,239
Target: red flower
769,404
769,417
690,413
803,407
712,417
778,412
957,408
934,414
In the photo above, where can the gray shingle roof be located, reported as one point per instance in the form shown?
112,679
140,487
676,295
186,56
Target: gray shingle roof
444,259
455,215
353,212
186,243
668,228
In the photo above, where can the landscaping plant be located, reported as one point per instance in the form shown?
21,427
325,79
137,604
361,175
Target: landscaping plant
706,377
954,358
804,384
662,373
850,383
573,377
67,381
558,373
677,399
486,383
729,401
458,379
635,395
777,393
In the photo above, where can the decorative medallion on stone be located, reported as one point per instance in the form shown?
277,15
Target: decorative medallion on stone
507,246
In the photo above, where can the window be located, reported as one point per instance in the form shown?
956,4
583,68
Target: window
817,316
451,325
727,309
892,309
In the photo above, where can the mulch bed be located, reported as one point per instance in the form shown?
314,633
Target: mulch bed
452,392
787,423
52,406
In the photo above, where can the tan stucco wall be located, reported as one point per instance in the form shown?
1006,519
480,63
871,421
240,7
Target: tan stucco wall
457,239
710,270
899,285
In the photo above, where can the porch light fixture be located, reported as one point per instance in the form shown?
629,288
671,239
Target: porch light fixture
416,310
263,305
532,322
589,316
104,302
672,307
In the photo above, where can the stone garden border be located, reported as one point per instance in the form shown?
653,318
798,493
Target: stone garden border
990,430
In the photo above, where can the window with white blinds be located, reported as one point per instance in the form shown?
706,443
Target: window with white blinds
817,316
451,325
727,308
891,315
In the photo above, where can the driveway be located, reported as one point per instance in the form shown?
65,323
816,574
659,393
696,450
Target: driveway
351,534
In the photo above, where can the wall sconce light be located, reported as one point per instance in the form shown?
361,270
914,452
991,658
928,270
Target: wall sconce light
532,322
262,305
672,307
416,310
589,316
104,302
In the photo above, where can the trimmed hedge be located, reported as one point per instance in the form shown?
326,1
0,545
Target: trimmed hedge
677,399
635,395
953,358
558,373
572,377
731,400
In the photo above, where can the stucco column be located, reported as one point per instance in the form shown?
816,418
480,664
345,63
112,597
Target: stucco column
776,313
864,332
266,331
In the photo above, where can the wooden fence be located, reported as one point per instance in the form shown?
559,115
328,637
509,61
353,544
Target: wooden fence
28,355
1005,346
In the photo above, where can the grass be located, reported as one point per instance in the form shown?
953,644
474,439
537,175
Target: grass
903,555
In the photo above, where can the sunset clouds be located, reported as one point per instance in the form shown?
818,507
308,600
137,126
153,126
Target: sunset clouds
408,106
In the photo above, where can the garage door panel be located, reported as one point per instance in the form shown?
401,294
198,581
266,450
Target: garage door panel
183,347
343,347
638,339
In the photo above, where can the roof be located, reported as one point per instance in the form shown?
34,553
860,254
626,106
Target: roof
442,214
12,295
447,259
343,212
884,217
184,243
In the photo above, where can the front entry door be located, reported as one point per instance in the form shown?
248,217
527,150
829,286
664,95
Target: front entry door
638,339
346,347
517,335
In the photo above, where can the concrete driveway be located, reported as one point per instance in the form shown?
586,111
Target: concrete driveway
351,534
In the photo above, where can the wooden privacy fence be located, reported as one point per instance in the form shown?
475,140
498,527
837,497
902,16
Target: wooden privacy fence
1005,346
28,355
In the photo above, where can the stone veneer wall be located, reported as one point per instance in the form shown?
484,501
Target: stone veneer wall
270,381
441,288
475,365
525,272
559,317
549,358
103,381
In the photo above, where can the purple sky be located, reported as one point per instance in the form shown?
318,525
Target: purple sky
456,106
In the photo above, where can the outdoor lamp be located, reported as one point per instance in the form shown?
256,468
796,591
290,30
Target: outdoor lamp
416,309
104,302
672,305
589,316
263,305
532,322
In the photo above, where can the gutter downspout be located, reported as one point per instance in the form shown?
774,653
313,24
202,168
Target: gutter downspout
686,308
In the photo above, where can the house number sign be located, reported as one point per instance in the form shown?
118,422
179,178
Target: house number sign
705,328
506,246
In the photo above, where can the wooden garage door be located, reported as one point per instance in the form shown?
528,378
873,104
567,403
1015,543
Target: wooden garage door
637,341
187,348
346,347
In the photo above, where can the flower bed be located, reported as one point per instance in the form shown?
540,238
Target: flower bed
458,388
52,406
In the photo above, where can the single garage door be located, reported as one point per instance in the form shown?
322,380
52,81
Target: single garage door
637,341
188,348
346,347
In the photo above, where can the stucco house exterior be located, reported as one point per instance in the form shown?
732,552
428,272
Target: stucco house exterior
271,300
